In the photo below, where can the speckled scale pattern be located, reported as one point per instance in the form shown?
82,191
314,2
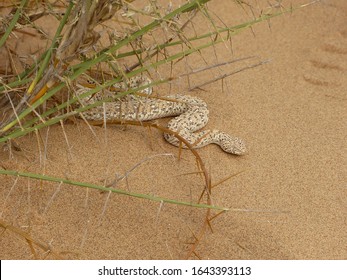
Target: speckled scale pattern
191,114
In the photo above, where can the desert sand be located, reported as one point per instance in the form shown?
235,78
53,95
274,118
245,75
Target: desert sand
288,202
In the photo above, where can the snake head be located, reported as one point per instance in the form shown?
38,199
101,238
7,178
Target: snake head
233,145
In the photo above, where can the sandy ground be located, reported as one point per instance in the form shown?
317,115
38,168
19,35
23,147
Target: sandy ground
292,113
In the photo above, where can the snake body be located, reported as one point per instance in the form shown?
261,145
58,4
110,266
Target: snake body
191,115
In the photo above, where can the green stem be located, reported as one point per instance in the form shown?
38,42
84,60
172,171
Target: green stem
13,22
106,189
50,50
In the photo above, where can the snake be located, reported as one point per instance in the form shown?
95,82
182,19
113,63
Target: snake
190,114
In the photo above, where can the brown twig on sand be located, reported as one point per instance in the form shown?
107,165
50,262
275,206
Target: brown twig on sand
229,74
31,241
